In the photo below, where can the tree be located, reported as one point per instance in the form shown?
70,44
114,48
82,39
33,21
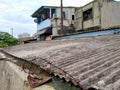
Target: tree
7,40
23,35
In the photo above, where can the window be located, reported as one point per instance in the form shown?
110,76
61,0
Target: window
64,15
53,12
73,17
88,14
39,19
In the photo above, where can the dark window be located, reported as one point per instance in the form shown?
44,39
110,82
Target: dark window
63,15
88,14
48,14
73,17
39,19
53,11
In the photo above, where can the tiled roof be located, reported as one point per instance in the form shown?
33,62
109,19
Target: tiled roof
87,62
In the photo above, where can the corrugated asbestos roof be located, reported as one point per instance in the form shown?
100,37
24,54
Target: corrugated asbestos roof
2,56
87,62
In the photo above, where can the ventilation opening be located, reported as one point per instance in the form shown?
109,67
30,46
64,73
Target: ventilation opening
88,14
92,88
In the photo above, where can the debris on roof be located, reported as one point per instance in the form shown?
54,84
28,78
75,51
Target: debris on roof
36,81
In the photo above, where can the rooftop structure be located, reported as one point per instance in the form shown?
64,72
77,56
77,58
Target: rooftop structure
97,15
48,19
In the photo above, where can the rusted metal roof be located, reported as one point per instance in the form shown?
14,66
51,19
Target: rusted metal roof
87,62
36,81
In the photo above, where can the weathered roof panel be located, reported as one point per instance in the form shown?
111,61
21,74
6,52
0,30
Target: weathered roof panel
87,62
2,56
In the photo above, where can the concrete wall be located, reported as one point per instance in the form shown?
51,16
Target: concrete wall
13,78
56,25
106,14
69,12
10,79
95,21
79,19
57,22
67,21
103,1
110,14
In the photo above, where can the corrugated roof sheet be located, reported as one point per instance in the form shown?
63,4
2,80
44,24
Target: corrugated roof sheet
2,56
87,62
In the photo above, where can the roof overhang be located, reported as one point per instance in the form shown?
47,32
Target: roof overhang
47,30
42,8
37,12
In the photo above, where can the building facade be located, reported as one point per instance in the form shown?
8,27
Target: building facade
98,14
48,19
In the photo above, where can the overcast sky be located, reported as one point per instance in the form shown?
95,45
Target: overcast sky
16,14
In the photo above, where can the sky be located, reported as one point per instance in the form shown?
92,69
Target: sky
16,14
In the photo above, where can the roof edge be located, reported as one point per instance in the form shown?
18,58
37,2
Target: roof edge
33,15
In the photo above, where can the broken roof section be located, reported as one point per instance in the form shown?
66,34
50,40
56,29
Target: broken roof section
86,62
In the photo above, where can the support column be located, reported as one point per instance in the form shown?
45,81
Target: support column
62,32
50,13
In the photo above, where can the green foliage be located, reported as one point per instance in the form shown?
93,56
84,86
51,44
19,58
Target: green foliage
7,40
61,84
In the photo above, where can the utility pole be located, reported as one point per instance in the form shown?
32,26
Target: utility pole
12,32
62,31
